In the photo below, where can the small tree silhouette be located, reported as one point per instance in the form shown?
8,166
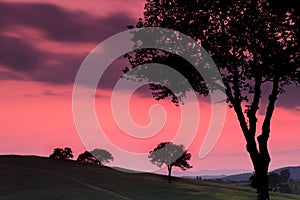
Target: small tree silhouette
284,176
102,156
62,154
87,157
274,182
172,155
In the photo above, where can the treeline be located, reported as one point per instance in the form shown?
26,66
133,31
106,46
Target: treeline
277,182
164,154
97,156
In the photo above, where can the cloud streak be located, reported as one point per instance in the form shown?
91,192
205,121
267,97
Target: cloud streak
61,24
45,23
56,24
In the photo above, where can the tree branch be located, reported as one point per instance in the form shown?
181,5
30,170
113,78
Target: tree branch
237,108
251,114
263,138
270,107
251,143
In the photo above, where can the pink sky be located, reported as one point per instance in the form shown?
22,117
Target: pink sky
36,99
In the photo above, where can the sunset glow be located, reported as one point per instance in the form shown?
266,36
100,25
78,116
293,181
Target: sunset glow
38,65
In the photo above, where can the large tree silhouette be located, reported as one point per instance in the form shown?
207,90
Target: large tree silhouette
253,43
172,155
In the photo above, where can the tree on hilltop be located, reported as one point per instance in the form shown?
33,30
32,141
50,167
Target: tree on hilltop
172,155
97,156
62,154
102,155
87,157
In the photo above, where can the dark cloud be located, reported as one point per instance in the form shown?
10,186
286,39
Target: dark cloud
291,97
63,71
60,24
18,54
53,93
36,65
113,73
99,96
49,93
56,24
10,75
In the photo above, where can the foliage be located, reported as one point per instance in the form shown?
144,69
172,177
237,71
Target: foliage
102,155
253,43
87,157
295,186
253,181
274,181
249,41
62,154
284,176
285,188
277,182
172,155
167,153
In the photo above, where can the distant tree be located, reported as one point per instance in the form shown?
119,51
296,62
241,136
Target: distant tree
274,182
277,182
87,157
284,176
102,156
285,188
62,154
172,155
252,180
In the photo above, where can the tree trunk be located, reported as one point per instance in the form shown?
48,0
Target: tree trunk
169,173
261,161
260,156
262,180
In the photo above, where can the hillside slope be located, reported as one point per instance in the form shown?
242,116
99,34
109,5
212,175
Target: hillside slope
29,177
295,174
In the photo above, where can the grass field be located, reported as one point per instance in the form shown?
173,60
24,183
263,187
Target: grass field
36,178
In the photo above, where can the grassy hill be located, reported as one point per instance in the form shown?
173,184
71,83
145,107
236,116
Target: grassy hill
30,177
295,174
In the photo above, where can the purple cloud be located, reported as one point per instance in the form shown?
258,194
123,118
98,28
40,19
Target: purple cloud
59,25
63,25
18,54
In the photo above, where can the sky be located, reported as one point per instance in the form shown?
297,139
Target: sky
42,46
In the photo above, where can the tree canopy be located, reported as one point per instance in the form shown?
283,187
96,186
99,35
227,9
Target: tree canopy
172,155
255,44
62,154
102,155
87,157
277,182
249,41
